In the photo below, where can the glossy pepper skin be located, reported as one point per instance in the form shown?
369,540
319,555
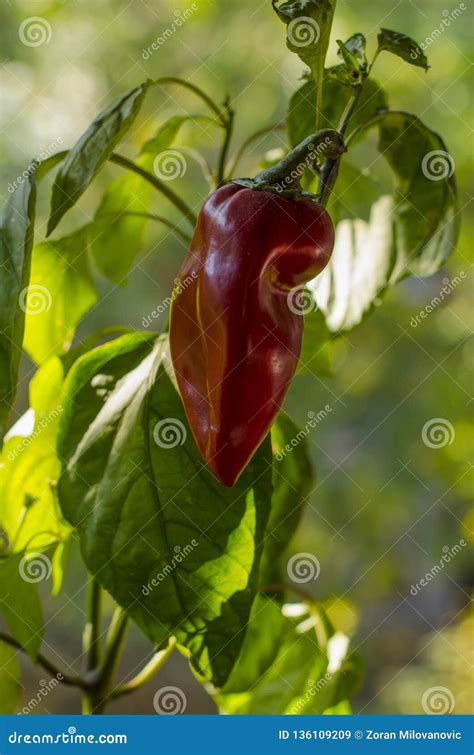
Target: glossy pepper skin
235,342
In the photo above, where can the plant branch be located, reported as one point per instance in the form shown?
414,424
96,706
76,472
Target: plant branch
92,629
197,91
147,672
174,198
71,680
229,128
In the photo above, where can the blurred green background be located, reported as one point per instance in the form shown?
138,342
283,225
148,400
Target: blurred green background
385,504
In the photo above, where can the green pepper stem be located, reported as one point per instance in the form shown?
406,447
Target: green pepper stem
147,673
287,173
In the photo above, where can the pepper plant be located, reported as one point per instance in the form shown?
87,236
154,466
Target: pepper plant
182,494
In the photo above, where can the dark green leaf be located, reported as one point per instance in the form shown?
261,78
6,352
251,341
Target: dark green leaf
165,135
403,46
177,550
308,29
92,150
355,68
60,292
16,243
292,481
20,606
10,676
283,668
412,228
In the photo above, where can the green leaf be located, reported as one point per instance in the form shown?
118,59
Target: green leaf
16,243
10,674
165,135
315,358
118,235
412,230
283,669
292,480
403,46
61,290
20,606
301,115
29,466
92,150
177,550
308,29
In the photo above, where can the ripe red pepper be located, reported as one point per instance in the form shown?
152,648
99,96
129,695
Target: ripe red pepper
235,342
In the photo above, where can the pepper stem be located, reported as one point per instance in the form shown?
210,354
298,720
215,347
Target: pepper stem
286,175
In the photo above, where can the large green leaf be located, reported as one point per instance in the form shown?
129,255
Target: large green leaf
92,150
10,679
60,292
412,228
29,466
285,669
292,481
301,116
177,550
20,606
16,243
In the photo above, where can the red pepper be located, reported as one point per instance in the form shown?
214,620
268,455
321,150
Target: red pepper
235,342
